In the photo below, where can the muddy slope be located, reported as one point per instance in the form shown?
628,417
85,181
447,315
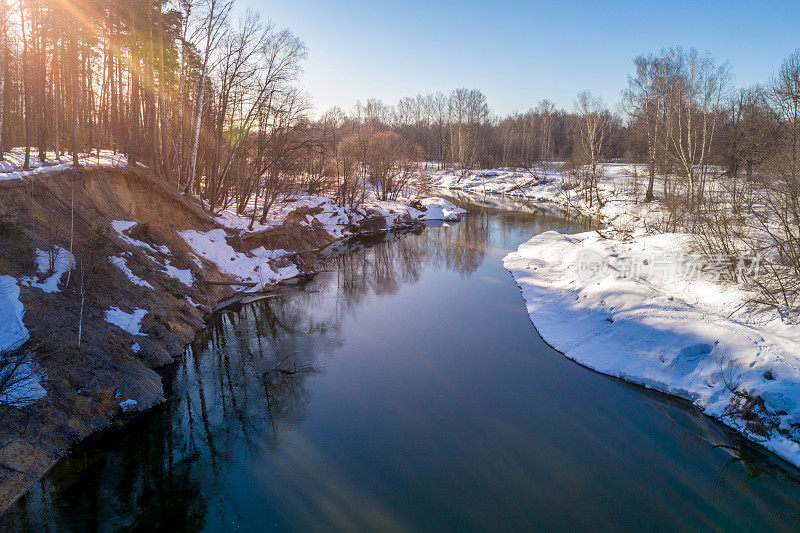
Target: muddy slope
86,385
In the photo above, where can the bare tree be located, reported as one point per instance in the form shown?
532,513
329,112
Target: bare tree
593,132
699,87
213,23
644,104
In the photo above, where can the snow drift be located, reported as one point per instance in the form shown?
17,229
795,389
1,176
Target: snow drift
687,337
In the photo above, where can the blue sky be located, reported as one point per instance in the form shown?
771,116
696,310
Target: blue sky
518,53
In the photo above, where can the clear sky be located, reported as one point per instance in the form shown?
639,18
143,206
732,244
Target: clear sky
518,53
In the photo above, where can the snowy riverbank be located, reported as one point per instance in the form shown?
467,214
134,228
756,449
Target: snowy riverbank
261,267
637,304
621,190
644,315
227,245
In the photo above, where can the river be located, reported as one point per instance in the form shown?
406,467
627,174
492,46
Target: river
419,397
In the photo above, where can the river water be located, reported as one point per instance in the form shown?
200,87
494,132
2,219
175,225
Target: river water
419,397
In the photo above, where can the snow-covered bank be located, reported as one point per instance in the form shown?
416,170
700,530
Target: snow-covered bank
621,189
335,218
11,168
678,328
258,267
441,209
261,267
543,185
640,311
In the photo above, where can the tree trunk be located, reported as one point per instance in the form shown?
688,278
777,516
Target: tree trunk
648,197
56,100
42,111
74,97
196,134
3,59
26,104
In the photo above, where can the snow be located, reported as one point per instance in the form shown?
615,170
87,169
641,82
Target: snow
121,264
130,322
441,209
184,276
281,209
24,384
544,185
136,348
122,226
621,188
335,218
620,185
254,267
13,332
11,167
63,261
683,335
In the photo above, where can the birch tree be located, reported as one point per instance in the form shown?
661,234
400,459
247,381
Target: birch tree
593,129
699,87
213,23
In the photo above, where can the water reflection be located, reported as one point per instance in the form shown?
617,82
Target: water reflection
418,396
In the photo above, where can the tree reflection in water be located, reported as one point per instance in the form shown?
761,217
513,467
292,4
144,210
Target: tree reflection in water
223,403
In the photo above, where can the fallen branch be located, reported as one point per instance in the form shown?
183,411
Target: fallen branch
277,368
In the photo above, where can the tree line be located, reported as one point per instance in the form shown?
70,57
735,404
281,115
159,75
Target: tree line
210,102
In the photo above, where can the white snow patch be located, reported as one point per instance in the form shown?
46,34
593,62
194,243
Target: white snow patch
120,263
130,322
13,332
252,268
24,384
184,276
441,209
136,348
62,261
11,167
122,226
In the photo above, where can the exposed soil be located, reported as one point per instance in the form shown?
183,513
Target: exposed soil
85,386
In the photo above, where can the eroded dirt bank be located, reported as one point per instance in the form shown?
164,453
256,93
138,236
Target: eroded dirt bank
85,385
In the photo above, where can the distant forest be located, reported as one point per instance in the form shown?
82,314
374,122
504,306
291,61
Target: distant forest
211,103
